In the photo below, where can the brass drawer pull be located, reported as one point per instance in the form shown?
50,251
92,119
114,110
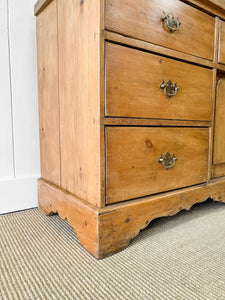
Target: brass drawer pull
168,160
170,90
171,23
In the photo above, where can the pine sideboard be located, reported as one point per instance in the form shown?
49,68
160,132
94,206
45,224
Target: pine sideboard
131,107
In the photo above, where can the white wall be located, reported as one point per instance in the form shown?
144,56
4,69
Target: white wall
19,139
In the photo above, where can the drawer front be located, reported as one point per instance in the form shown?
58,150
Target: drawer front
132,158
143,20
221,52
133,80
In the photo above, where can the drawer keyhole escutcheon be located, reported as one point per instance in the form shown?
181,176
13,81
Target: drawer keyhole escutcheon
170,21
169,88
167,160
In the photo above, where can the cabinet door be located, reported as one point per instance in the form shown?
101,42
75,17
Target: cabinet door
219,131
221,50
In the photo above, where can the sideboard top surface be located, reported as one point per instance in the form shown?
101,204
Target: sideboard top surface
209,5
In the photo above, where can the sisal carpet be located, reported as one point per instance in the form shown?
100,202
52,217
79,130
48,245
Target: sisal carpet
180,257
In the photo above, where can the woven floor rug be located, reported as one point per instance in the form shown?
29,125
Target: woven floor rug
180,257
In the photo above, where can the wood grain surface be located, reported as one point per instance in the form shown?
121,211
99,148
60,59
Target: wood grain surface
213,7
47,46
216,7
221,48
132,155
40,5
219,137
142,20
218,170
108,230
118,224
81,216
104,121
211,128
155,122
79,92
143,45
133,81
220,3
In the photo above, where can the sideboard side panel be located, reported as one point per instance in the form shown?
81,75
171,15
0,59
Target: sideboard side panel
48,93
79,89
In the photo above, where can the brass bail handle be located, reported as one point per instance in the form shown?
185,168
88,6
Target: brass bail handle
167,160
170,21
169,88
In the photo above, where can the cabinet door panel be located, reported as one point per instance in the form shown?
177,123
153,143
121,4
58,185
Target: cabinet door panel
221,53
219,137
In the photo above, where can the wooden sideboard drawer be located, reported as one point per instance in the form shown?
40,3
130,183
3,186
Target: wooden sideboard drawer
132,160
133,80
143,20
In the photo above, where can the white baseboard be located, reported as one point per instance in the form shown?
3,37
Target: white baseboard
18,194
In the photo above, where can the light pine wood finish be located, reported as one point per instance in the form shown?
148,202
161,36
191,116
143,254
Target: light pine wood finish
129,41
104,231
218,170
104,137
102,102
142,45
219,3
132,155
47,45
80,214
211,128
218,163
154,122
133,81
121,223
195,36
221,53
216,40
40,5
219,138
213,7
79,93
220,67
